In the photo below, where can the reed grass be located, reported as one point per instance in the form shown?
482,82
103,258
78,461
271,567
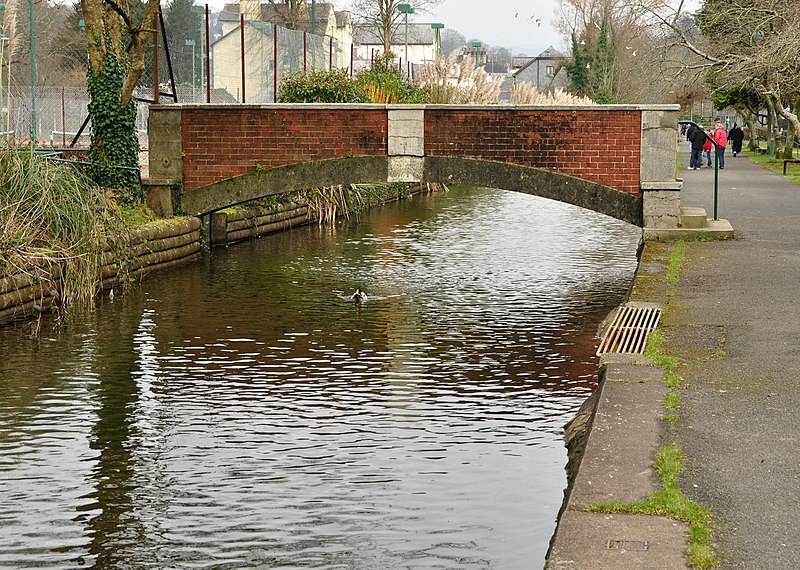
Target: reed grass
50,214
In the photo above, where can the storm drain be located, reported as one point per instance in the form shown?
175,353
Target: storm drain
627,333
627,545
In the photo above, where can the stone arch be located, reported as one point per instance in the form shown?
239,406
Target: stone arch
537,182
449,170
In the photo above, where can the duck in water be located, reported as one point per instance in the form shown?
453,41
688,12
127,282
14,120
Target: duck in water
359,296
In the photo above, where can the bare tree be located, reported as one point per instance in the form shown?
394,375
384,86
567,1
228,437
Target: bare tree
749,45
290,12
384,17
614,43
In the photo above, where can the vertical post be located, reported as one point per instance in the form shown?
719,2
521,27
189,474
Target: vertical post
313,17
34,126
208,60
156,88
2,43
305,50
200,11
406,15
330,53
772,122
274,63
352,49
192,44
63,121
241,38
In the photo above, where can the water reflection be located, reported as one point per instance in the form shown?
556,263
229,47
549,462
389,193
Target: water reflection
240,413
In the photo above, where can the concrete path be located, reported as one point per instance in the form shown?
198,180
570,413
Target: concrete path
735,323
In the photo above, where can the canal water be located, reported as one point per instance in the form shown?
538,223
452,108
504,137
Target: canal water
241,413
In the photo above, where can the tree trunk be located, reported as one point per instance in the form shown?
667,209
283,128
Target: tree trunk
115,144
112,76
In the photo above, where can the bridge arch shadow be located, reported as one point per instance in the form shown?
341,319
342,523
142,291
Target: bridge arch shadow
448,170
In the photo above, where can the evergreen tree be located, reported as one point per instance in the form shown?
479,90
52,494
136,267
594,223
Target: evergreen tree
182,24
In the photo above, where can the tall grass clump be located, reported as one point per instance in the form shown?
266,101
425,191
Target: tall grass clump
449,81
51,215
527,94
385,83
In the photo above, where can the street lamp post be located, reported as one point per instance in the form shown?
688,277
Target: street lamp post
261,26
200,11
406,9
192,43
437,30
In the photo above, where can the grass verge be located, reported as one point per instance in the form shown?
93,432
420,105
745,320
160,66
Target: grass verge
669,500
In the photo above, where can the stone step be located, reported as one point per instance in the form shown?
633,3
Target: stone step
714,229
694,218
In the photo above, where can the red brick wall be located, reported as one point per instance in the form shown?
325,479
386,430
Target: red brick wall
220,143
596,145
602,146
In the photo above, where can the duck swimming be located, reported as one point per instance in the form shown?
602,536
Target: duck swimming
359,296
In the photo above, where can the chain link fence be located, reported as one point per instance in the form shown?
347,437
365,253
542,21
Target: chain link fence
55,116
246,67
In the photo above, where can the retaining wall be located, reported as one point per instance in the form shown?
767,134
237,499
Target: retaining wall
166,243
228,226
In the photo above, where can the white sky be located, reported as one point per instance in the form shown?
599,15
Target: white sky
511,24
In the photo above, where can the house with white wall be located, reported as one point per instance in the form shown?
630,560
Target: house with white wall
298,49
423,44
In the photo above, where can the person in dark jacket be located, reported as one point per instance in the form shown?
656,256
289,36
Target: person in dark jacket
736,136
689,133
698,139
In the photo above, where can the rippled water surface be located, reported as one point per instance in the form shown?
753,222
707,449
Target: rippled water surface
240,413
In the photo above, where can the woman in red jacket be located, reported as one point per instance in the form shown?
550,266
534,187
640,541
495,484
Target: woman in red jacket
721,138
708,146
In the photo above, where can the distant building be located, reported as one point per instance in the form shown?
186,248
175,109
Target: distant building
328,21
330,45
423,44
545,71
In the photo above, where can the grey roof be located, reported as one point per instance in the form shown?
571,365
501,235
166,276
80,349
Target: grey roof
551,54
418,34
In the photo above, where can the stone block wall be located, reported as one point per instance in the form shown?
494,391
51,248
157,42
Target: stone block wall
230,226
147,248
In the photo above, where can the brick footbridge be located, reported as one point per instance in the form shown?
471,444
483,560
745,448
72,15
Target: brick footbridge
618,160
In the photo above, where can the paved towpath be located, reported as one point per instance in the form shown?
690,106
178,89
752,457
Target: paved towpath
735,322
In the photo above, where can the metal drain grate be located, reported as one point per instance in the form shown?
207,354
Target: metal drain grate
627,545
627,333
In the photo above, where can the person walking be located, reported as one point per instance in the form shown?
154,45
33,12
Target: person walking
736,136
698,138
721,138
707,146
689,136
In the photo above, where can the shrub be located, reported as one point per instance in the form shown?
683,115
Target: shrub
334,86
385,83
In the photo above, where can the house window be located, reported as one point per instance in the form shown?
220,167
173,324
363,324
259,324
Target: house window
550,70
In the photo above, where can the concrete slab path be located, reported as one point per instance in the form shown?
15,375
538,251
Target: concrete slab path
735,325
733,322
